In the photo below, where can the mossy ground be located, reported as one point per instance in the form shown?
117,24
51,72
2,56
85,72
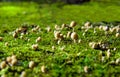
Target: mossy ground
13,15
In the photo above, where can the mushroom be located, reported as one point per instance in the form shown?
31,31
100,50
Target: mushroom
35,46
57,35
108,53
31,64
105,28
6,44
43,69
48,29
74,36
63,26
73,24
14,61
15,35
117,35
38,39
87,24
93,45
86,69
53,48
3,64
23,74
117,61
9,59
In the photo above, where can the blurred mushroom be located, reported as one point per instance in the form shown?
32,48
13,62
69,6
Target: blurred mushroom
31,64
74,36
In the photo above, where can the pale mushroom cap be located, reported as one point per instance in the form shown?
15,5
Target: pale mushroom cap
35,46
63,26
23,74
87,24
9,59
6,44
73,24
3,64
57,35
117,61
38,39
43,69
86,69
108,54
15,35
53,47
13,57
105,28
48,29
31,64
13,62
93,45
117,35
74,36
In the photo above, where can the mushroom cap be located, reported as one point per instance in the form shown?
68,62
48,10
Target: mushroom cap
57,35
43,69
73,24
35,46
117,35
87,24
31,64
14,61
38,39
23,74
3,64
74,36
9,59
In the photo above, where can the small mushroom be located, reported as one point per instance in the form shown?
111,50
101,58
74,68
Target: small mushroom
31,64
23,74
73,24
87,24
13,57
38,39
117,35
48,29
94,45
9,59
58,42
57,35
117,61
6,44
108,54
43,69
105,28
74,37
3,64
63,26
86,69
14,62
35,46
15,35
53,48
